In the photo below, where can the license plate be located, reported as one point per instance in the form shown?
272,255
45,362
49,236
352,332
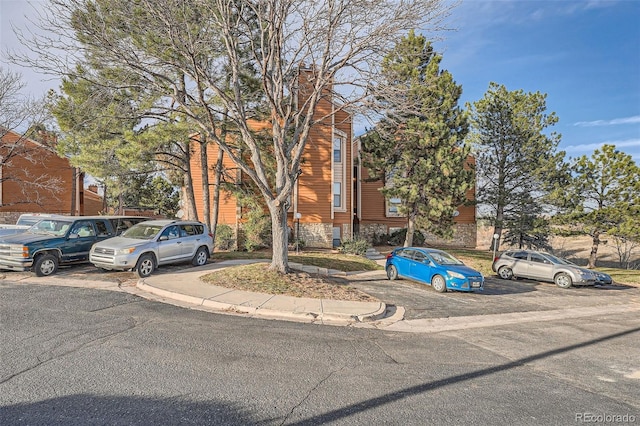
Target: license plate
475,284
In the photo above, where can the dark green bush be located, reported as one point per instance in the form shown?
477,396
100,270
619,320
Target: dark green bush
257,230
225,238
397,238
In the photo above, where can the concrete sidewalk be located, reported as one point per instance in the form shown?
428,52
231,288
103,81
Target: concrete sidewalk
187,287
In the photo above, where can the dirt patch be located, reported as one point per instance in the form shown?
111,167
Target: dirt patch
258,278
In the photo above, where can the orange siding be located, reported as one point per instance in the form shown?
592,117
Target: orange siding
228,204
343,122
373,208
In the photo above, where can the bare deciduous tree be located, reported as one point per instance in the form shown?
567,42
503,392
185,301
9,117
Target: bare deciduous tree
17,117
235,61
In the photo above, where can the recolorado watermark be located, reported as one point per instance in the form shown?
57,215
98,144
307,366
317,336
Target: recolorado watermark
605,418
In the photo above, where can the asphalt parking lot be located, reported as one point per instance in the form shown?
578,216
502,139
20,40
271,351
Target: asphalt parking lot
498,297
421,301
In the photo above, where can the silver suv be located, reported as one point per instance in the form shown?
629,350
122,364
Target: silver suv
544,267
147,245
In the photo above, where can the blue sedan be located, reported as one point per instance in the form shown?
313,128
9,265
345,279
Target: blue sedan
434,267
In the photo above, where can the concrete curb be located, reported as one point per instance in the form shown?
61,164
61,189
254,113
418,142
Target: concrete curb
325,311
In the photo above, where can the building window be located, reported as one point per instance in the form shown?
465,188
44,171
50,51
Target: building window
337,150
392,207
337,194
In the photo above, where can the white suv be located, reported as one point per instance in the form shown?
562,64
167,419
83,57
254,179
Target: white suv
147,245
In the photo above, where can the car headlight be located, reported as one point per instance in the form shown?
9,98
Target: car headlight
127,250
455,275
18,250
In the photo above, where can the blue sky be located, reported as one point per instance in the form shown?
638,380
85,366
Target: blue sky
584,54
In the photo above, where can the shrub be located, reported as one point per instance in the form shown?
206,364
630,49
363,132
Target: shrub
257,230
397,238
380,239
225,238
358,246
300,244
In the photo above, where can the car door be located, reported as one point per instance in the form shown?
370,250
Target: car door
520,265
421,267
169,245
403,261
189,237
81,236
540,267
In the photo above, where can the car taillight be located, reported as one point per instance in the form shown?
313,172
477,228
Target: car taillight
390,255
495,259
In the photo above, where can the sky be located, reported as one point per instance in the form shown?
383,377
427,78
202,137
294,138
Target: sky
584,54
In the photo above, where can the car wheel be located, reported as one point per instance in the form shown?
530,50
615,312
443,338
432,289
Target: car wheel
146,265
505,273
392,272
563,280
439,284
200,257
45,265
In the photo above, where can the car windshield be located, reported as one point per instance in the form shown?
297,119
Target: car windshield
444,258
142,231
28,220
51,227
559,260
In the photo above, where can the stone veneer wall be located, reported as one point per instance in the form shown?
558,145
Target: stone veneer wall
369,231
317,234
9,217
464,235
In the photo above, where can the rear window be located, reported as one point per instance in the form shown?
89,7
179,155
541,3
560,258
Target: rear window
407,254
192,229
520,255
102,228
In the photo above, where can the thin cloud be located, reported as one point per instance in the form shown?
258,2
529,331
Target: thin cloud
629,143
614,122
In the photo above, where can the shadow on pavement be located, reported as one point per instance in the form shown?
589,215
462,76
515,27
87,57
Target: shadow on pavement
120,410
347,411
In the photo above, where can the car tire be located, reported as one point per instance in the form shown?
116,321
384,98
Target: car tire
45,265
563,280
505,273
439,284
392,273
201,257
146,265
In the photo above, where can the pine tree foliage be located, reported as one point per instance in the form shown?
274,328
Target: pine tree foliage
603,197
417,148
517,163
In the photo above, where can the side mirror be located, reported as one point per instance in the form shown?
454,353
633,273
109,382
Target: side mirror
163,238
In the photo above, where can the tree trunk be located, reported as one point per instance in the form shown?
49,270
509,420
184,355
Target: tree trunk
74,190
190,201
411,227
216,195
593,256
280,257
204,170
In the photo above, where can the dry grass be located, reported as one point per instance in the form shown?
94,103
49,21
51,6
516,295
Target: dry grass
257,277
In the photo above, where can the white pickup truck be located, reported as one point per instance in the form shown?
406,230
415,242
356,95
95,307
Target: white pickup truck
25,221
